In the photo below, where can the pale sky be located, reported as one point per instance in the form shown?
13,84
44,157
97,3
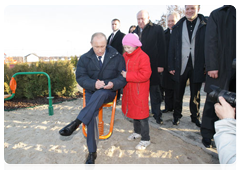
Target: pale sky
54,30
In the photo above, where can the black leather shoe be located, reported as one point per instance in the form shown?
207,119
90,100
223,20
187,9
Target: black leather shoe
69,129
91,158
159,121
207,142
165,111
176,121
197,122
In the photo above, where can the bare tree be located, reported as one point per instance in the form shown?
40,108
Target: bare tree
170,8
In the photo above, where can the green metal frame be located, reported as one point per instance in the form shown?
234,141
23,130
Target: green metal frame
50,108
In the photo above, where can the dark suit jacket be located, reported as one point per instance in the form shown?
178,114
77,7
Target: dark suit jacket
175,50
167,82
220,46
153,44
117,41
88,69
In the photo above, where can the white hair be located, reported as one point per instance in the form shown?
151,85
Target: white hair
174,13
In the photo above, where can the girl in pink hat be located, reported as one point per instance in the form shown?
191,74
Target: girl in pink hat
135,93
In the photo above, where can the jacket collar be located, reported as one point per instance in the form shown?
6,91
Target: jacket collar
137,30
203,21
117,33
167,30
109,53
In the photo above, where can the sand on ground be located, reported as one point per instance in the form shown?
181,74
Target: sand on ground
31,137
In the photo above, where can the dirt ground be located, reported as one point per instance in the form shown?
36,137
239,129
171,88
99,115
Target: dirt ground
31,137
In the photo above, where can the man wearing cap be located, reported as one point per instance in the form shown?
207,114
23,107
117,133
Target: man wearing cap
153,44
99,73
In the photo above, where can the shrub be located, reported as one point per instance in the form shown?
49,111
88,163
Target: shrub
61,73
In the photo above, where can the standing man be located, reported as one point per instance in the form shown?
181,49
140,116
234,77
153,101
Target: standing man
115,40
220,50
186,60
99,73
153,44
168,83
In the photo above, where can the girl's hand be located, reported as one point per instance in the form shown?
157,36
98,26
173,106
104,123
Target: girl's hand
124,73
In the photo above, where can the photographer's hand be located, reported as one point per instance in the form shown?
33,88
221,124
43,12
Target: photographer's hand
224,110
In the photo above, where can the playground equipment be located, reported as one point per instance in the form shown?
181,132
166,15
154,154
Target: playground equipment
13,86
100,118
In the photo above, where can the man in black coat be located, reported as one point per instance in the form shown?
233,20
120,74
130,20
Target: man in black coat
220,50
186,60
153,44
167,81
99,73
115,39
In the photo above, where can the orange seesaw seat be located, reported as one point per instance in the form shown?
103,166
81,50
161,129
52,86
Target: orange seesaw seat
13,86
100,118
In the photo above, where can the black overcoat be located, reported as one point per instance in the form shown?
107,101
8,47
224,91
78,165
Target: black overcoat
88,69
220,46
153,44
167,82
117,41
175,50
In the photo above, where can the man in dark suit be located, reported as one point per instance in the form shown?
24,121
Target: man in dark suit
115,40
167,81
186,60
220,50
99,73
153,44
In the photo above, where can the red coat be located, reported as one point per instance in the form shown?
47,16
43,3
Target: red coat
136,92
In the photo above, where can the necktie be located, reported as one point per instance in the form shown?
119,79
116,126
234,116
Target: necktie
111,38
100,61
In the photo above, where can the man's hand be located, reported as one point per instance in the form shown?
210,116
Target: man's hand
109,85
172,72
99,84
213,74
160,69
224,110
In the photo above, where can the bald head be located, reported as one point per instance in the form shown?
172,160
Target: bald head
143,18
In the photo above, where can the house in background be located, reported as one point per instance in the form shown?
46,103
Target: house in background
30,58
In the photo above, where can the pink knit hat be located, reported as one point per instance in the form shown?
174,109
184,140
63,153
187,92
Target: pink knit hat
131,40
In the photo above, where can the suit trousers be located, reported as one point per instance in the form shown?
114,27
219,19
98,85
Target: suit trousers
88,115
208,119
169,99
141,127
179,91
209,115
155,98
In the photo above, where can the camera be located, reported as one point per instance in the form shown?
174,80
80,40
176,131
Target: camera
230,97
